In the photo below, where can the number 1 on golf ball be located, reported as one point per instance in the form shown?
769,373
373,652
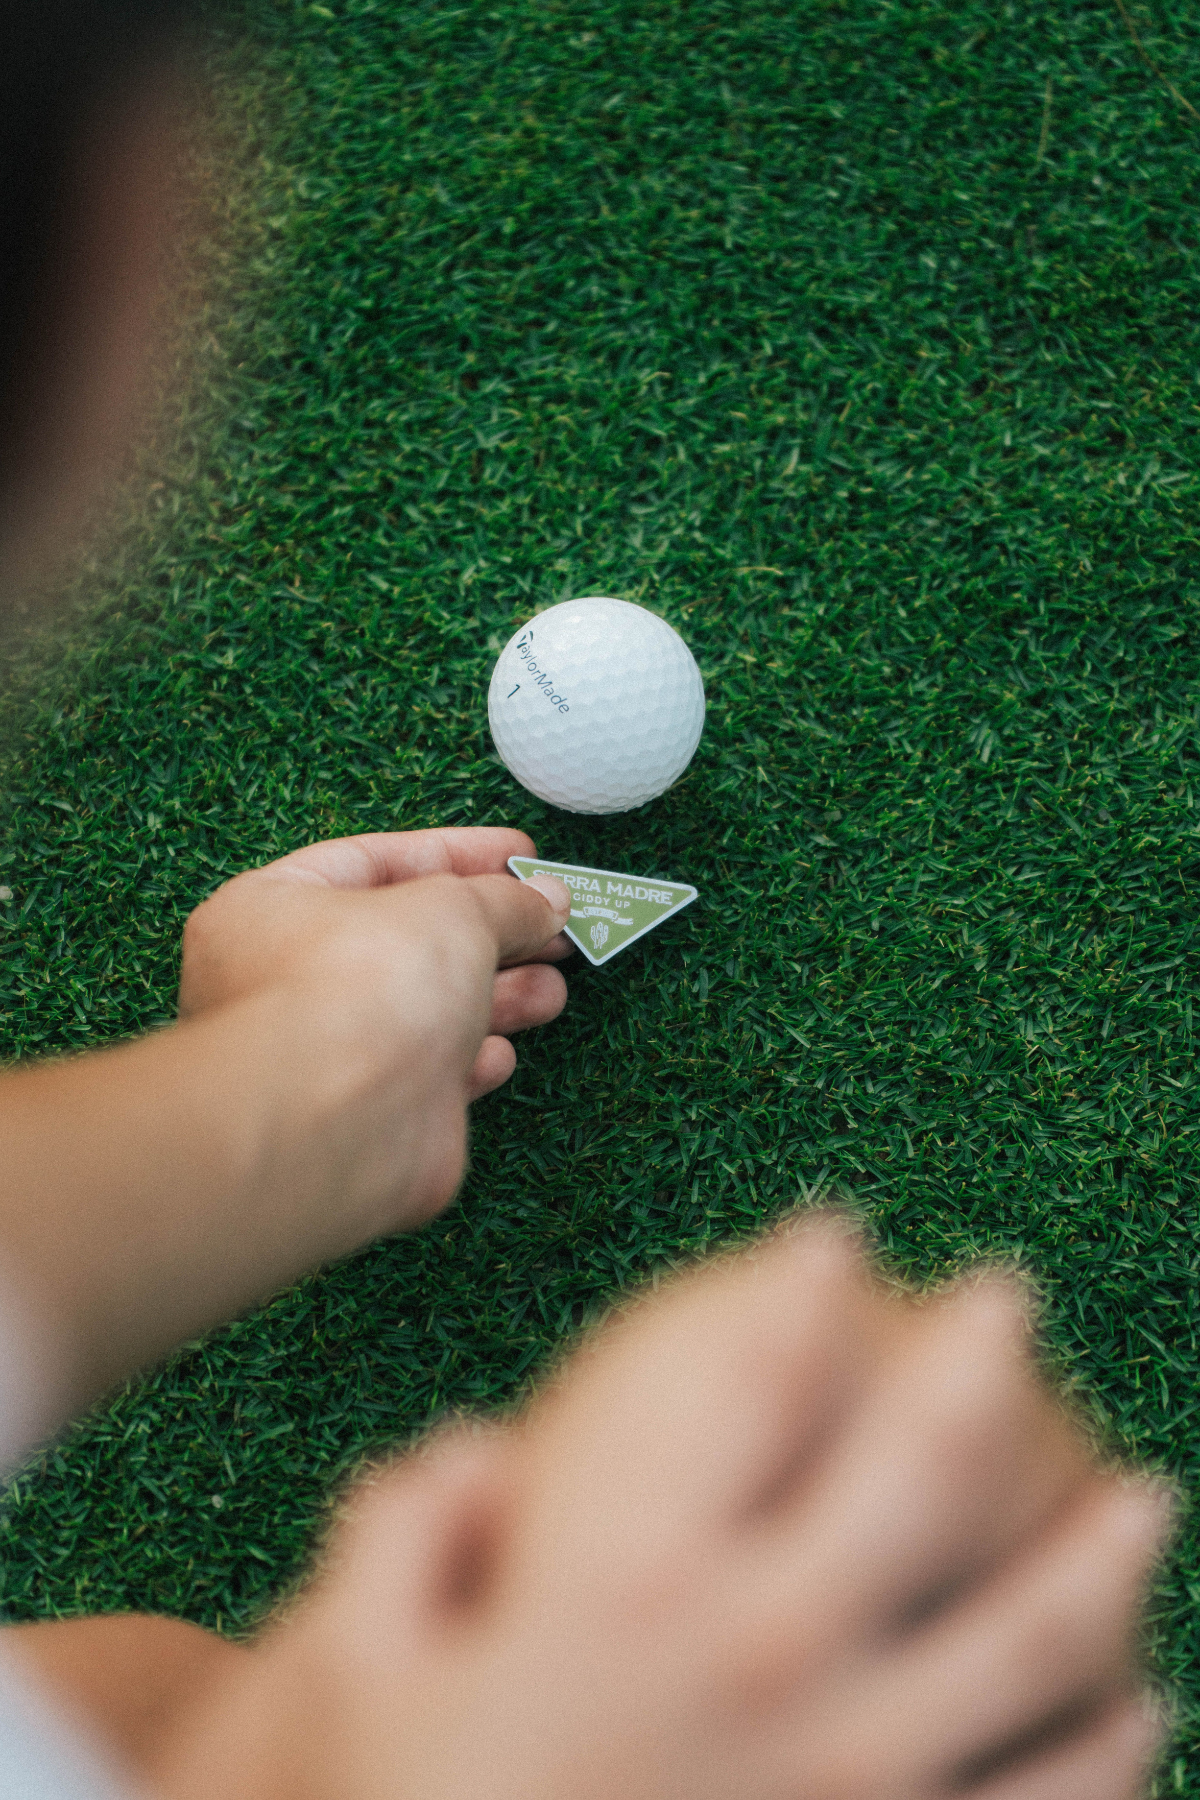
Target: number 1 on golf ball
596,705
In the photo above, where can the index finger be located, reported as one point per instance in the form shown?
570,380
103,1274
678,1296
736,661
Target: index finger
382,858
523,916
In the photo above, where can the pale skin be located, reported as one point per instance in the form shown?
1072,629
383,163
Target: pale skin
776,1533
779,1531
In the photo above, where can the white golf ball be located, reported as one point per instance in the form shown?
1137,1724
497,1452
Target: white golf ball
596,705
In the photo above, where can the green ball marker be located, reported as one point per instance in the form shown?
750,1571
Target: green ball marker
609,911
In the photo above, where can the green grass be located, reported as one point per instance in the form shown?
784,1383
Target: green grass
859,339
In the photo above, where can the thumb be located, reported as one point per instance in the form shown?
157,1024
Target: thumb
523,915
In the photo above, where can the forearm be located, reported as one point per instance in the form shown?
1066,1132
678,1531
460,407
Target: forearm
153,1190
313,1097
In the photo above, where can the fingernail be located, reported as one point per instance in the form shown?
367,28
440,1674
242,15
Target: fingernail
556,892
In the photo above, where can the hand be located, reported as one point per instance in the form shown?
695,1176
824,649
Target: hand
402,958
340,1009
263,926
778,1532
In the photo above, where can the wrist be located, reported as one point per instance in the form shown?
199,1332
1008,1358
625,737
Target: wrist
151,1191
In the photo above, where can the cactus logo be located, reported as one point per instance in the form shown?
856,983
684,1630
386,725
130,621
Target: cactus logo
599,935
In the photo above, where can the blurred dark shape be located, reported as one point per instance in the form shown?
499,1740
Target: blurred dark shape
75,79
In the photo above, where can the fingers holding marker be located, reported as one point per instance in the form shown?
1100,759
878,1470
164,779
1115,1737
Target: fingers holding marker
523,916
530,995
557,950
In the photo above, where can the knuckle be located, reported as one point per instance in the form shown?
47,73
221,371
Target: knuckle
201,925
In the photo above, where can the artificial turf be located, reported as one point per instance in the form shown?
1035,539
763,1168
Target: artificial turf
859,339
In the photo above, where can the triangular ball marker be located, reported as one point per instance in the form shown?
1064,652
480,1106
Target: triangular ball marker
608,911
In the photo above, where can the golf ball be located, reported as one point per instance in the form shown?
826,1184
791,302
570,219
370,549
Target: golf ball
596,705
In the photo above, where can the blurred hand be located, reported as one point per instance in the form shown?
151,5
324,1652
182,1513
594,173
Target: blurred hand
778,1533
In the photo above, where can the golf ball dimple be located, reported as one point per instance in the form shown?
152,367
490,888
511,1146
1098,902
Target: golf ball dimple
596,705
